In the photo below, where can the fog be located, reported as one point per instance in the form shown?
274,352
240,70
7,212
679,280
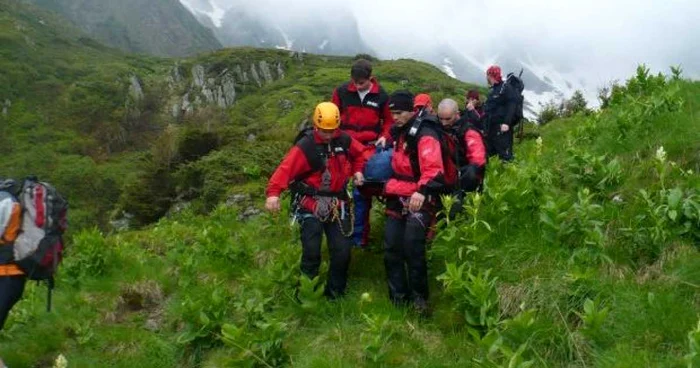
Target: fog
593,41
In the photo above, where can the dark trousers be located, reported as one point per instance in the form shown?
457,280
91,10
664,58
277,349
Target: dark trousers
363,208
501,144
404,256
11,289
339,248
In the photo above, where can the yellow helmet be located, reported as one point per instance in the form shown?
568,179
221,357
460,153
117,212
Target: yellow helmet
327,116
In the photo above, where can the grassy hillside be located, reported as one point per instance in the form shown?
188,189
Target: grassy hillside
152,27
73,118
583,253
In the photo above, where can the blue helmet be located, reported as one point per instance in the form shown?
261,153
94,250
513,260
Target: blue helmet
378,167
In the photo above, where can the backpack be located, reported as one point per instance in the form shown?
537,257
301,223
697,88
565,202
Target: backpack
316,155
38,249
516,84
417,130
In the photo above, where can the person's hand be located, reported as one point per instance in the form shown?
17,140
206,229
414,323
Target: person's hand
272,204
359,179
504,128
416,202
470,105
381,142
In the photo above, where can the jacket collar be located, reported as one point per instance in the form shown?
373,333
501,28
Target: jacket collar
373,89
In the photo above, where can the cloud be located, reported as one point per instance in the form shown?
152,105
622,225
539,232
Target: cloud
596,40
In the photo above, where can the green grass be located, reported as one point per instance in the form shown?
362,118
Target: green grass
585,270
568,295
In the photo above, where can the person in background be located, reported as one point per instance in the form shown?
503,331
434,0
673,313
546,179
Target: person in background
365,116
499,114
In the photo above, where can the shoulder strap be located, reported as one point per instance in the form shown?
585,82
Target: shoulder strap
314,154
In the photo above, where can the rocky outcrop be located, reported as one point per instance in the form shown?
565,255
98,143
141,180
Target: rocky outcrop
221,89
135,89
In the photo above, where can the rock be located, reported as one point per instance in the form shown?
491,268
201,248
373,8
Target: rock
208,95
251,138
186,105
249,213
135,89
179,207
176,74
123,223
198,75
152,325
280,71
254,75
240,74
228,89
265,71
286,105
618,198
175,111
296,55
235,199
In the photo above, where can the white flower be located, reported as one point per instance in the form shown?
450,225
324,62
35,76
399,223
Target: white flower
661,154
539,146
366,298
61,362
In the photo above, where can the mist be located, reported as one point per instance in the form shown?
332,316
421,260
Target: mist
591,42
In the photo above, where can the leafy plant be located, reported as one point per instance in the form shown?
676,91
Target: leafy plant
203,315
261,346
474,295
377,335
692,359
593,317
89,256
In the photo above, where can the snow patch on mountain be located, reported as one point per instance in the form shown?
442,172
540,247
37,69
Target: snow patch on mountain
448,69
323,44
216,14
288,42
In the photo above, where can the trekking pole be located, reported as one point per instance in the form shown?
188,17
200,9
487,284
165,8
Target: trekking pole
49,294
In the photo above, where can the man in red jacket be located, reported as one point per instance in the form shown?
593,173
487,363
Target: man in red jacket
470,147
411,200
317,170
365,116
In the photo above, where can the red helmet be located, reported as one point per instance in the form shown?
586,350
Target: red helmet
494,71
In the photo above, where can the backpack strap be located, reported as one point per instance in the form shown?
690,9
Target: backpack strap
317,154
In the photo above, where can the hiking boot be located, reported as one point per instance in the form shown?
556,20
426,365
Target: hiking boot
420,305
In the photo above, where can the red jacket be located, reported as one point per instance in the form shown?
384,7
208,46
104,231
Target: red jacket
342,163
405,181
365,120
475,153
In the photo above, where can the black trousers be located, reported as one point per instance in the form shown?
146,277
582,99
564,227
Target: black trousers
339,248
501,144
11,289
404,255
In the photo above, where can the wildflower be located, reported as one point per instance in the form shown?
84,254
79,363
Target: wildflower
366,298
661,154
539,146
61,362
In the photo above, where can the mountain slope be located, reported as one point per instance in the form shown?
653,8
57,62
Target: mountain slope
75,110
307,28
155,27
576,254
